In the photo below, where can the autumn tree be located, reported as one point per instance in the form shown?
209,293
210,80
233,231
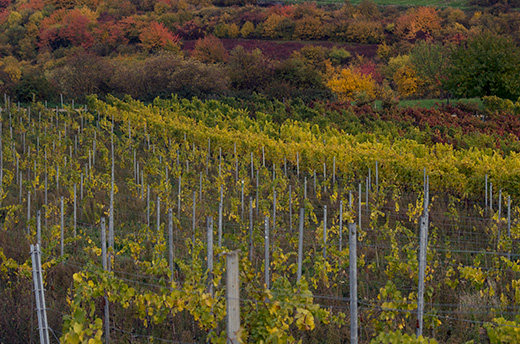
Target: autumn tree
418,22
76,28
308,28
155,37
486,65
349,85
210,50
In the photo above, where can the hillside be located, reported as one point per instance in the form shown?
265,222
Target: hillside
191,156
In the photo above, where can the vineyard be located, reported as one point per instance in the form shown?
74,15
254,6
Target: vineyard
137,207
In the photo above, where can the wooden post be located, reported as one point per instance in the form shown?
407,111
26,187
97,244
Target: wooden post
232,297
266,245
377,177
353,283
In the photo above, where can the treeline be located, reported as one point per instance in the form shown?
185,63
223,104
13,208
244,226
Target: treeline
137,48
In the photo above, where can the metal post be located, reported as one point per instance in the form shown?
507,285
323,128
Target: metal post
353,283
148,206
274,210
242,203
257,191
509,223
422,266
39,294
62,228
220,224
105,268
300,244
359,216
193,216
170,241
324,232
250,229
210,253
486,187
28,212
232,297
490,196
179,199
38,228
75,211
290,208
499,204
158,213
340,225
266,244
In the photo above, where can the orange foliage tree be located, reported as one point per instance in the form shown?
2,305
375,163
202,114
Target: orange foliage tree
422,20
156,37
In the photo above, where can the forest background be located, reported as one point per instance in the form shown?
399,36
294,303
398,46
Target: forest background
226,48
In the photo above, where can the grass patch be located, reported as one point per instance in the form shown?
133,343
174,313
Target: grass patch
433,103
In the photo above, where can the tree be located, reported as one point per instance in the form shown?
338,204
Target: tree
486,65
155,37
349,85
421,21
249,70
430,61
210,50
